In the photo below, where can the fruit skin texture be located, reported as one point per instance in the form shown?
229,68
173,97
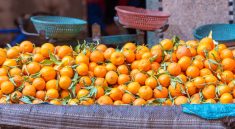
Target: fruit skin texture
174,69
48,73
105,100
7,87
183,51
117,58
226,98
145,92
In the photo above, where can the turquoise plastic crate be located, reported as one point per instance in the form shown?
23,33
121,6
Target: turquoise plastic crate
220,32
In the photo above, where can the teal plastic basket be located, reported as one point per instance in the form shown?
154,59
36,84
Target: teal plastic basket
58,27
220,32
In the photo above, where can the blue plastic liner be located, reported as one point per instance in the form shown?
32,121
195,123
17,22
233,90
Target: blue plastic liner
210,111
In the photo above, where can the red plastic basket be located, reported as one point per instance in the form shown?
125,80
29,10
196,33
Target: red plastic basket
140,18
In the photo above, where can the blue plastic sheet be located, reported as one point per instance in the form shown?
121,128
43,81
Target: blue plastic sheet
210,111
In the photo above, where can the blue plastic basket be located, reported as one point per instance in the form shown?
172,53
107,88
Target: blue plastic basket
220,32
58,27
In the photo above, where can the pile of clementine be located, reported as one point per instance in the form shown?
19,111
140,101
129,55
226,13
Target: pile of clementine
171,72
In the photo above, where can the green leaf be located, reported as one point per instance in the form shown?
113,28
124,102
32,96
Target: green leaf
182,90
173,83
54,59
93,92
12,81
36,75
47,62
159,87
152,59
26,99
159,100
72,87
175,40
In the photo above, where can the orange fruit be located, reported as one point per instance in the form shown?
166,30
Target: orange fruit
122,88
85,81
167,44
190,88
26,46
82,93
164,80
210,101
227,76
177,90
210,65
51,84
100,71
111,77
65,82
68,61
7,87
97,56
13,53
123,79
29,90
183,51
47,48
134,64
232,84
39,84
105,100
110,67
3,57
174,69
41,95
64,51
213,54
3,71
181,100
9,63
160,93
223,89
116,94
182,77
228,64
201,49
198,63
33,67
14,71
101,47
64,93
192,71
221,47
3,79
157,53
199,82
129,56
101,82
117,58
81,58
140,78
211,79
55,102
205,71
145,92
38,58
52,94
18,80
193,51
129,46
133,87
155,66
208,92
48,73
128,98
144,65
87,102
151,82
108,52
184,62
207,41
226,98
123,69
192,43
195,99
139,102
168,102
15,96
82,69
100,91
226,53
140,50
66,71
